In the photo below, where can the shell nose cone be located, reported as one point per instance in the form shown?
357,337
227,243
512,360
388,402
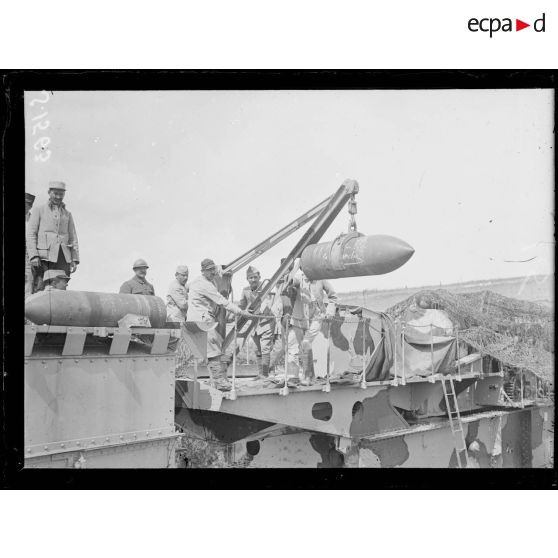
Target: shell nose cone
402,250
391,252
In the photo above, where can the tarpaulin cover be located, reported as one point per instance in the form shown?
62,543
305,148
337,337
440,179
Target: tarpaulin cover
356,338
426,344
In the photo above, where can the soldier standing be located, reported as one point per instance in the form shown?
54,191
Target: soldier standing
138,284
309,311
29,199
177,308
264,333
177,296
51,237
204,300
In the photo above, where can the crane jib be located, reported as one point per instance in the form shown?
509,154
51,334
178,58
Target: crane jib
311,236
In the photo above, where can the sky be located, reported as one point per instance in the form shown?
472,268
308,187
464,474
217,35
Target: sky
466,177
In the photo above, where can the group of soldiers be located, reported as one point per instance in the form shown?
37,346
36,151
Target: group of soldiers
289,318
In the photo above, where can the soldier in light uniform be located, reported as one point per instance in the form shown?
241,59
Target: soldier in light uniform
177,308
264,332
51,237
315,301
177,296
287,296
138,284
29,199
203,301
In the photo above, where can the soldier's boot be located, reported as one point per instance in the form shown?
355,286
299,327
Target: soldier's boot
224,381
218,371
293,370
259,375
265,365
277,353
307,366
214,370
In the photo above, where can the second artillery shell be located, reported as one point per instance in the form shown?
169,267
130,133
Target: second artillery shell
90,309
355,255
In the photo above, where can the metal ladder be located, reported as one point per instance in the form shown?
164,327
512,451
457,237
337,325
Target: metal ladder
456,424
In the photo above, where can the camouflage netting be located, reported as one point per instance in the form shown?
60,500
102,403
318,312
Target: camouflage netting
517,332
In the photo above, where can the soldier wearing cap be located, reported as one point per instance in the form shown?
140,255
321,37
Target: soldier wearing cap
138,284
55,280
177,296
264,333
51,237
29,199
203,302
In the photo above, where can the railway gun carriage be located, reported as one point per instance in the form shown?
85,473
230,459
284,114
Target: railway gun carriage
103,387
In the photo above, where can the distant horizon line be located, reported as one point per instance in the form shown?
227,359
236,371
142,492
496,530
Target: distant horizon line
442,285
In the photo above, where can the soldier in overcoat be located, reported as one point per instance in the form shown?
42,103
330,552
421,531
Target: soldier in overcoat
52,241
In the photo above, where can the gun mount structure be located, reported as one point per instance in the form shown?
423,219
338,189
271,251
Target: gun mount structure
388,393
97,397
385,396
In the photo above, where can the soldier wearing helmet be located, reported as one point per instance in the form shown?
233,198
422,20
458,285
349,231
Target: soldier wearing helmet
138,284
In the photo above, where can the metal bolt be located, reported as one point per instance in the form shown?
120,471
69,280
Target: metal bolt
60,362
107,439
93,442
122,437
62,445
147,433
46,448
160,432
77,444
69,329
76,360
28,450
43,361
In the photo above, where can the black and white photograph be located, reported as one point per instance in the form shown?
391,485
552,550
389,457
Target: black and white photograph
301,278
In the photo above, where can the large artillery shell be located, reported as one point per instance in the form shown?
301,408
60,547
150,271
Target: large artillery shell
88,309
355,255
